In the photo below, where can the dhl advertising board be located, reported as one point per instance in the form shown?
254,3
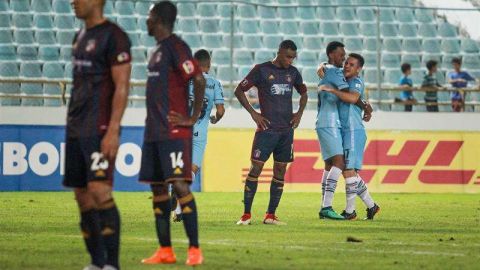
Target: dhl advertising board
394,161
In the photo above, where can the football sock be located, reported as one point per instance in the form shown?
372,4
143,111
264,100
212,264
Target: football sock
362,192
190,218
351,193
276,190
331,185
162,209
324,182
110,222
90,226
249,193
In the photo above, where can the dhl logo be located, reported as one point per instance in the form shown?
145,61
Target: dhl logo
435,170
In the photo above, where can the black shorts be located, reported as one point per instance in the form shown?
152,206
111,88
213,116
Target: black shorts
84,162
280,143
166,161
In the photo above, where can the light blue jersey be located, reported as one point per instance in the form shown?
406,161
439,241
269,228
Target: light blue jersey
213,96
350,114
327,116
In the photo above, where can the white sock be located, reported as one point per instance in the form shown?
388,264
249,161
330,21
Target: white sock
362,192
324,184
331,181
350,193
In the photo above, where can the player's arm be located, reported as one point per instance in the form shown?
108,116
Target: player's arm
218,101
220,111
344,95
198,94
302,90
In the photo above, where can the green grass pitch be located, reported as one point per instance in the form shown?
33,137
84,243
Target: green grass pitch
39,230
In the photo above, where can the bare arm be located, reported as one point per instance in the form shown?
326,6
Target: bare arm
345,96
178,119
121,80
219,114
298,115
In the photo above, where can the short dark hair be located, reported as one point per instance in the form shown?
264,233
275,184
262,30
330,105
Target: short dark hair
405,67
431,64
456,60
359,58
202,55
165,12
332,46
288,44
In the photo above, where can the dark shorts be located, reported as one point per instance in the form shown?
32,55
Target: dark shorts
280,143
166,161
84,162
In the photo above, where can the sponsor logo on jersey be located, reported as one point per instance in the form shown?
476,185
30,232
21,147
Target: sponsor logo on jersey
271,77
188,67
91,45
280,89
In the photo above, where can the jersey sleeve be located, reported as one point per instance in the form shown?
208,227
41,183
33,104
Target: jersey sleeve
339,80
184,62
357,86
252,79
403,81
118,51
218,94
469,77
299,84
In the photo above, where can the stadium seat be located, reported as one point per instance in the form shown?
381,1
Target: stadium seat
207,10
405,15
127,23
447,30
411,45
309,75
424,15
309,28
186,9
64,22
20,5
370,59
65,37
471,62
408,30
187,26
7,52
224,10
246,11
390,60
243,72
368,29
392,76
389,30
5,20
312,43
138,55
147,40
4,6
327,40
193,40
39,6
366,15
45,37
354,44
139,72
370,44
5,36
48,53
286,13
43,21
142,8
412,59
288,27
326,13
269,27
307,59
392,44
252,41
62,6
329,28
450,46
261,56
226,25
142,24
31,70
371,76
208,25
221,57
298,40
387,15
305,13
272,41
24,36
431,46
27,52
224,74
349,29
9,69
248,26
469,46
66,53
52,71
237,41
345,14
242,57
213,41
125,7
267,12
427,30
22,20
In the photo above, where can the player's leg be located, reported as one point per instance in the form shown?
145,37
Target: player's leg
328,165
349,173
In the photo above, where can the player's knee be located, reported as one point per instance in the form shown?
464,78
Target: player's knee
181,188
100,191
159,189
279,170
84,199
349,173
255,169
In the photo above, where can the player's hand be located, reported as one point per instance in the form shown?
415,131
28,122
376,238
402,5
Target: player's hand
296,119
368,108
178,119
109,145
213,119
261,121
321,71
367,116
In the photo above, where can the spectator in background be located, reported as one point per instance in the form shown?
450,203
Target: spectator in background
430,83
407,84
458,79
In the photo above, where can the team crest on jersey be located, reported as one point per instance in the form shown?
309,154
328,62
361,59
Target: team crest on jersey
244,82
289,78
271,77
188,67
123,57
91,45
257,153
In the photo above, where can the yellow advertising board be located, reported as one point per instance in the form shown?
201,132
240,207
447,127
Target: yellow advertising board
394,161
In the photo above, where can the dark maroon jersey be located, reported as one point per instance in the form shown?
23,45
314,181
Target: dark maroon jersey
95,51
275,87
170,68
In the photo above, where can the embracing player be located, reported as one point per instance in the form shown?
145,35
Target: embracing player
213,96
276,121
354,136
167,146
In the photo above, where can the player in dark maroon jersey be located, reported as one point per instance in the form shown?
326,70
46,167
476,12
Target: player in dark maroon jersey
101,75
167,147
275,81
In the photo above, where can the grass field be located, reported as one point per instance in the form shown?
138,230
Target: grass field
413,231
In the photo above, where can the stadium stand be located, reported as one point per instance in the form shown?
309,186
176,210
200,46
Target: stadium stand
40,33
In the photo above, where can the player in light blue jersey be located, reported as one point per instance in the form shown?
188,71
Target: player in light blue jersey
213,97
353,136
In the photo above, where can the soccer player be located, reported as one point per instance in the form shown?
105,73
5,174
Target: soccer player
167,146
354,137
276,121
213,96
101,75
